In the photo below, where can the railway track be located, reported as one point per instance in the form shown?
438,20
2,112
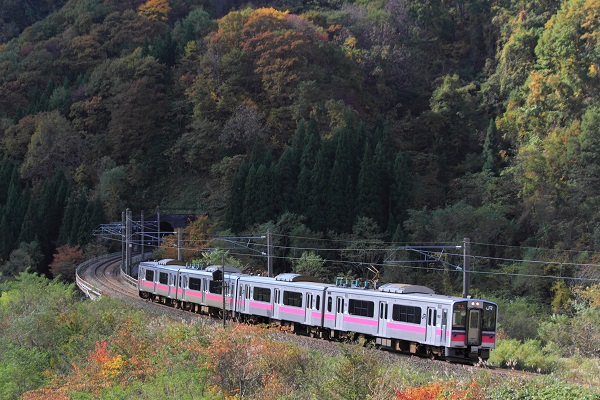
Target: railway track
105,276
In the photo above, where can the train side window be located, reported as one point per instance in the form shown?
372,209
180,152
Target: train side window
150,275
293,299
215,287
262,294
195,284
163,278
329,303
318,307
362,308
402,313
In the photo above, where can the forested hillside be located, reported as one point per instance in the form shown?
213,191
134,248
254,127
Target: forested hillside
398,120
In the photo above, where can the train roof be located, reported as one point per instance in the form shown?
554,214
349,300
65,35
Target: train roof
287,281
228,269
404,288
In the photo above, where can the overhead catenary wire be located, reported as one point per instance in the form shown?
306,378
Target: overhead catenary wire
379,246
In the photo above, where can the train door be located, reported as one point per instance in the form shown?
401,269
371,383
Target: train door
308,306
444,326
474,328
181,287
339,312
276,304
431,325
383,315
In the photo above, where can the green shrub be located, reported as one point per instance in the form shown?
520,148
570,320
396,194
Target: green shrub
539,389
528,355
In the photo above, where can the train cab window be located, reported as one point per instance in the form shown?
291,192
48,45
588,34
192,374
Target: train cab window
262,294
489,317
329,303
150,275
362,308
163,278
410,314
293,299
195,284
459,316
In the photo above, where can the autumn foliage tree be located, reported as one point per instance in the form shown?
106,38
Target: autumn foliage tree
65,261
155,10
196,237
247,363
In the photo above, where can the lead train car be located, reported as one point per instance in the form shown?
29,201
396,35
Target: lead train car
406,318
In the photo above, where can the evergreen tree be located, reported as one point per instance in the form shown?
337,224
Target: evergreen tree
29,227
67,222
250,201
7,168
307,164
6,244
234,216
400,191
368,191
489,149
342,184
317,208
285,182
383,163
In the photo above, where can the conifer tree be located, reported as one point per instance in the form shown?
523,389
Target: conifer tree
401,190
237,194
317,206
307,164
489,149
250,200
285,176
342,185
6,245
30,224
368,191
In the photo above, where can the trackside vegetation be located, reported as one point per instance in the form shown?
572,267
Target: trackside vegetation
56,345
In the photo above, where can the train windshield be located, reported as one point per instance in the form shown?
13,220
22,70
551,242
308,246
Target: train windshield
489,317
459,316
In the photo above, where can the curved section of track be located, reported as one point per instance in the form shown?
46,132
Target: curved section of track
104,276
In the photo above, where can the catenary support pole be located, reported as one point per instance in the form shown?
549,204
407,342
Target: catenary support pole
269,253
466,266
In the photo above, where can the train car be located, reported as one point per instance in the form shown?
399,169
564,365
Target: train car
291,300
413,319
157,280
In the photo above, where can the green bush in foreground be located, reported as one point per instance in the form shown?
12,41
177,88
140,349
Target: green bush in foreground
528,355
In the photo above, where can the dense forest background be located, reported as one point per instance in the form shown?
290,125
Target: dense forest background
348,121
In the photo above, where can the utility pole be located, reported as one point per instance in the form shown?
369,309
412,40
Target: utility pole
269,253
129,245
466,265
123,237
179,243
158,227
143,234
223,289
